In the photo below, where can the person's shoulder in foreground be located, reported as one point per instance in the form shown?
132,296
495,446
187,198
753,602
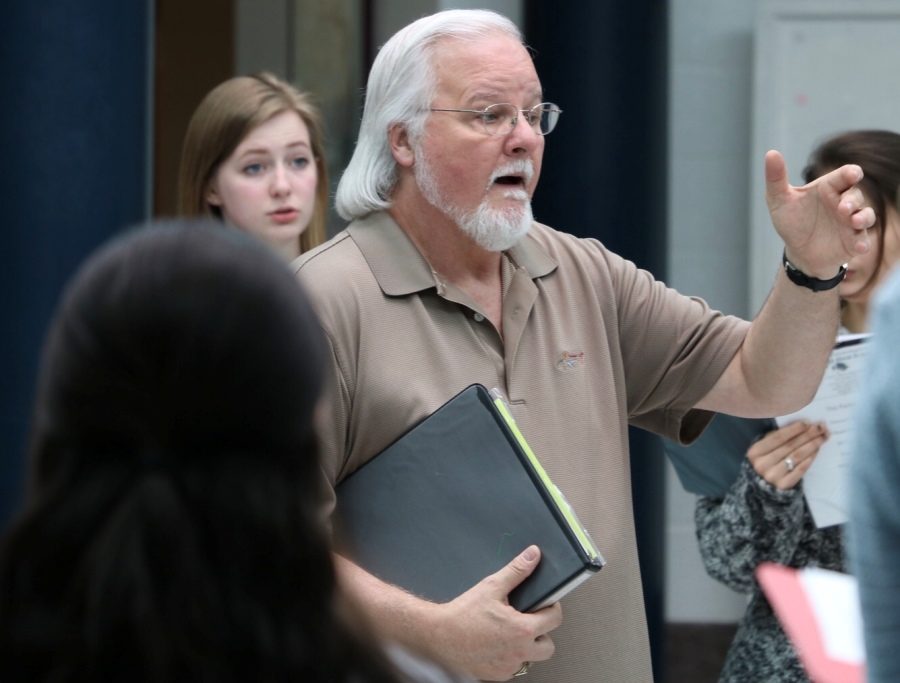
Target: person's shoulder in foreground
874,533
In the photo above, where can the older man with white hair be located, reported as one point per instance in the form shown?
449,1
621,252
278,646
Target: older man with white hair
443,279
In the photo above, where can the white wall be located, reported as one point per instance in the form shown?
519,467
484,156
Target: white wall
822,67
710,88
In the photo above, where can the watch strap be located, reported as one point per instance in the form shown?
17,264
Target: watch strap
798,277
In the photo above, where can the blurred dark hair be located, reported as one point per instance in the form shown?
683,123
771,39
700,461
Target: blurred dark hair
173,527
877,152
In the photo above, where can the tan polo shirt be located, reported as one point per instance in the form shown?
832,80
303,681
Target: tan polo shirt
590,344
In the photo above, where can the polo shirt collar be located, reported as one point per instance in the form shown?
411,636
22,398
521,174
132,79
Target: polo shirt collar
400,268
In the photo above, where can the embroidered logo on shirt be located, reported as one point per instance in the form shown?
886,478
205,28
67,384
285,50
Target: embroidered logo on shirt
570,360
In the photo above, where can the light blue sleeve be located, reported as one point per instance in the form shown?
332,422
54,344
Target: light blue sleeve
874,528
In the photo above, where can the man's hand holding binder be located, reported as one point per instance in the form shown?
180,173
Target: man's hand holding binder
477,631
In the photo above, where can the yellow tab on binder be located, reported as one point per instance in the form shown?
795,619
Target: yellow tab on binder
587,543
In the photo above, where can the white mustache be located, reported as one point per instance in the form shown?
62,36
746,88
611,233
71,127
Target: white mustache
521,166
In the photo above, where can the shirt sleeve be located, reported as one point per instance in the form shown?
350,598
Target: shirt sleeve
332,419
674,349
753,523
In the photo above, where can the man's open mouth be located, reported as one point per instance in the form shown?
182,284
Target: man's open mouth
509,180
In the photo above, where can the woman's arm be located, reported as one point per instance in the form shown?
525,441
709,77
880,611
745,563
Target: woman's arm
761,518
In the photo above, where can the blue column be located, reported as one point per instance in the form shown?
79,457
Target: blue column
74,87
605,176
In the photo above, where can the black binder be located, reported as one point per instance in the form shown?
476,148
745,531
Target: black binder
453,500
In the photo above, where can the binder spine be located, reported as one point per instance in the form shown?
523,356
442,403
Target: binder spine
559,500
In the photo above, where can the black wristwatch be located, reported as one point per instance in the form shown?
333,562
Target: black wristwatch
798,277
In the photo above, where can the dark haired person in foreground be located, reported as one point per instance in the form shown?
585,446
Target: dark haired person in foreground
173,525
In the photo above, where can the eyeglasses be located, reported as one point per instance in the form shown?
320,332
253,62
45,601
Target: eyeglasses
502,118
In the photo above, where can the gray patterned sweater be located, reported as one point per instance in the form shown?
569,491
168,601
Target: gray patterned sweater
754,523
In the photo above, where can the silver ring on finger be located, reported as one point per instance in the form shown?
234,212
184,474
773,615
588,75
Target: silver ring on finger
523,670
789,463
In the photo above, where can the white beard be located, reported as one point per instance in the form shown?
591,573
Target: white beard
491,229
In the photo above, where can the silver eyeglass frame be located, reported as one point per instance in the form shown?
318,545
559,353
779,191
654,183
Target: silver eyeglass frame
528,113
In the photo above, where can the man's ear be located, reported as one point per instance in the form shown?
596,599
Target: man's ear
212,194
401,147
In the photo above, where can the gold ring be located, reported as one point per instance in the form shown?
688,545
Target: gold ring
523,670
